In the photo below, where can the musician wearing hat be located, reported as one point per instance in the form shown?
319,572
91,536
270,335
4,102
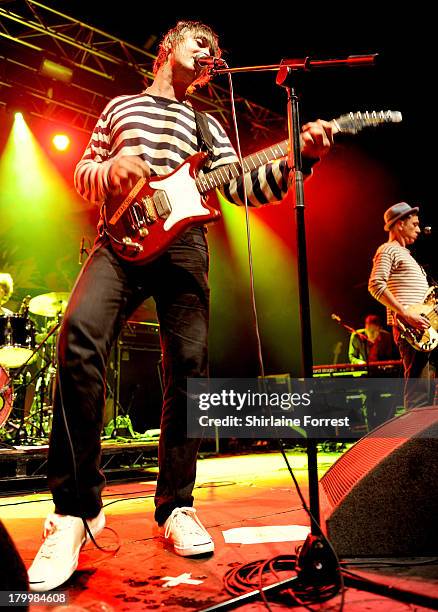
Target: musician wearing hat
6,289
399,282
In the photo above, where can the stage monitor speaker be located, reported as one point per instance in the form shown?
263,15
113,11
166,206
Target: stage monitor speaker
380,498
135,376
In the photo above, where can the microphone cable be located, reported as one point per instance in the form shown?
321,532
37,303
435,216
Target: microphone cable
248,229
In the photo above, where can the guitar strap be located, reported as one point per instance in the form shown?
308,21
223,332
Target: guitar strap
205,137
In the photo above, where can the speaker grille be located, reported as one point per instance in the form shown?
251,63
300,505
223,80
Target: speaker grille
372,448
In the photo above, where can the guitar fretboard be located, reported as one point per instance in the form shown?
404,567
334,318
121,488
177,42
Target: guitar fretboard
224,174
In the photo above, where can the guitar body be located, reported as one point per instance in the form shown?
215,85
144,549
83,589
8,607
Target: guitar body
424,340
142,225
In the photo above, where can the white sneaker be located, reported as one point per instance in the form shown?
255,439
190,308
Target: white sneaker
57,558
187,534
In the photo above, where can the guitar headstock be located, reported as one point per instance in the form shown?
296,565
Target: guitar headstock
351,123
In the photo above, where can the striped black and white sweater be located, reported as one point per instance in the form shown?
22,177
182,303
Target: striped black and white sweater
395,269
163,133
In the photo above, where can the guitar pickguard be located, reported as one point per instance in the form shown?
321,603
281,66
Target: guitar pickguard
183,196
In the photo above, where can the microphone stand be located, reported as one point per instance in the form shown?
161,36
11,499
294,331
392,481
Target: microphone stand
350,329
296,184
316,559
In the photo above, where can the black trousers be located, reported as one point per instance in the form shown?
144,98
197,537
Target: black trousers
106,292
420,371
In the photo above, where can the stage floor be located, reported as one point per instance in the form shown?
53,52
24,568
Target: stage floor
233,491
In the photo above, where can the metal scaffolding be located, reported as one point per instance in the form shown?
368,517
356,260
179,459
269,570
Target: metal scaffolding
100,66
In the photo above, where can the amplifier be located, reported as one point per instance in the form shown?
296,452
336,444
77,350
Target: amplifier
140,334
135,377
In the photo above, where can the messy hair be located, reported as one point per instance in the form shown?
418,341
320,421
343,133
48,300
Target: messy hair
176,35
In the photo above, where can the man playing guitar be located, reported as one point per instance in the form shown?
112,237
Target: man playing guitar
139,137
400,283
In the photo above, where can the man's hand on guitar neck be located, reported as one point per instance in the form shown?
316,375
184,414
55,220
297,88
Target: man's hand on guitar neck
125,171
316,138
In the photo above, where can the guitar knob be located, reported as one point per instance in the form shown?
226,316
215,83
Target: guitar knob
129,243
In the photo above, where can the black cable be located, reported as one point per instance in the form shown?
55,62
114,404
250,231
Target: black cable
248,577
248,230
377,564
134,493
49,499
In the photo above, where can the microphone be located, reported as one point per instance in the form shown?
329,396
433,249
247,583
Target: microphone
427,231
336,317
24,307
202,60
81,250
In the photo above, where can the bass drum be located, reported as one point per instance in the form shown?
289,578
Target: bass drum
6,396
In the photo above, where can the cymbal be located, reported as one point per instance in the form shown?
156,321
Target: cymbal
49,304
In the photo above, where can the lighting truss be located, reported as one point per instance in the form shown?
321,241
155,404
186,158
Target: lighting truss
31,31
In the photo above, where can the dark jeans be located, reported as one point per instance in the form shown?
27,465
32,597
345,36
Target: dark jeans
105,294
420,374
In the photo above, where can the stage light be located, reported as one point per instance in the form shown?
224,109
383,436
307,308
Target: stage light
20,130
17,103
61,142
55,71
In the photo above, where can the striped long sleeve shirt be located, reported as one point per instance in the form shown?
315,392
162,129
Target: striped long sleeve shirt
163,133
395,269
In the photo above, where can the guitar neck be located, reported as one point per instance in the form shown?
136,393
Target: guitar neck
350,123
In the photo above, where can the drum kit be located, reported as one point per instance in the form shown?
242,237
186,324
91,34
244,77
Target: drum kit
28,367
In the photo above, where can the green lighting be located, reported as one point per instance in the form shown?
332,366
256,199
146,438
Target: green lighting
20,129
40,229
276,286
274,281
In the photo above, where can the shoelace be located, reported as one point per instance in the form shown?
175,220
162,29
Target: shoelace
186,519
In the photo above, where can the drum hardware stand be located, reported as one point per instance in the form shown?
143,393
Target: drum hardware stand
41,395
18,373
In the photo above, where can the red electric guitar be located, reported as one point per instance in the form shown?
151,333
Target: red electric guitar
143,224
